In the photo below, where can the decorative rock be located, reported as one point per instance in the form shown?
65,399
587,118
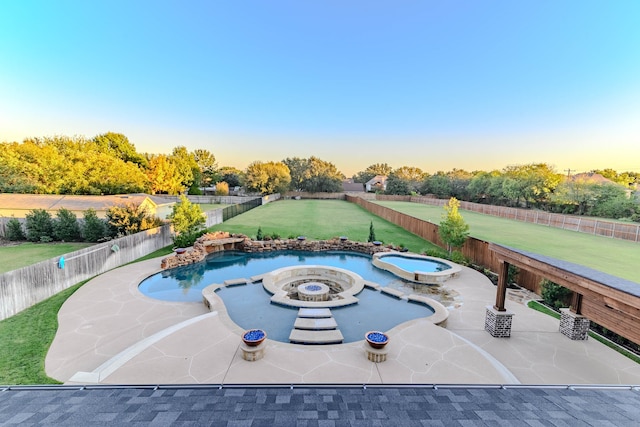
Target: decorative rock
220,241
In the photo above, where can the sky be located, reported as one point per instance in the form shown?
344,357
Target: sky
467,84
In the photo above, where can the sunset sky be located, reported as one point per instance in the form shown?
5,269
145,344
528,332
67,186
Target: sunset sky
475,85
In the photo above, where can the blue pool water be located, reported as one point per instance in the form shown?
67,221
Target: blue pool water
415,264
250,307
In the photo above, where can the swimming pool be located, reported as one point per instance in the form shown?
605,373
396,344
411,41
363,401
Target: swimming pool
249,306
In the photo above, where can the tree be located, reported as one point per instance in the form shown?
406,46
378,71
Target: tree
397,185
321,177
117,145
187,169
207,165
14,230
163,175
372,233
297,168
533,182
65,226
39,226
453,230
222,189
371,171
438,185
232,176
313,175
93,228
128,219
267,178
186,217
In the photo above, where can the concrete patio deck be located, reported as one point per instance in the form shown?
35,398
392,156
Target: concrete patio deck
109,333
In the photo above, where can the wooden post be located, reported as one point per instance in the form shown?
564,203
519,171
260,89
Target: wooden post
501,292
576,303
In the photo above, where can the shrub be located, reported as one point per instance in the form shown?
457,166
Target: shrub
372,233
128,219
259,236
38,224
186,216
185,240
222,189
275,236
459,258
554,295
14,230
93,229
65,226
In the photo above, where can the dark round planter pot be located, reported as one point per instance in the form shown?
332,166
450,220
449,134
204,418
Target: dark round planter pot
343,238
180,251
377,243
254,337
301,238
376,339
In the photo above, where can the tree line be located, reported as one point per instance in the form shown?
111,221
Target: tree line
110,164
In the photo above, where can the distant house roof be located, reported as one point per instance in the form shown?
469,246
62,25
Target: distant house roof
378,179
54,202
592,177
349,186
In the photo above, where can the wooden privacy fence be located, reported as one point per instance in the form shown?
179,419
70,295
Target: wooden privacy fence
22,288
598,227
475,249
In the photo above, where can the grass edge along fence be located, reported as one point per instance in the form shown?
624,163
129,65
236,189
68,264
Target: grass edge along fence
475,249
598,227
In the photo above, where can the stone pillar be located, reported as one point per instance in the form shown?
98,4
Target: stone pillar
498,323
376,355
573,325
251,354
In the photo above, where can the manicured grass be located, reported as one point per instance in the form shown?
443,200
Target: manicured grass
18,256
617,257
546,310
25,339
212,206
321,219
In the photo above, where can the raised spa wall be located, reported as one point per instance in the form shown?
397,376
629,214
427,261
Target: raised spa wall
223,241
430,278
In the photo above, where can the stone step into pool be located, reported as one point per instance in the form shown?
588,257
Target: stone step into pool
315,330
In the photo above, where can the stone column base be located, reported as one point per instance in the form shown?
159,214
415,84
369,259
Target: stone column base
251,354
498,323
573,325
376,355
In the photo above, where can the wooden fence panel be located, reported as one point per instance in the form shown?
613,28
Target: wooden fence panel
612,229
474,249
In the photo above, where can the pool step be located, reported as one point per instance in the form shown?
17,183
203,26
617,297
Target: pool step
315,313
301,336
315,326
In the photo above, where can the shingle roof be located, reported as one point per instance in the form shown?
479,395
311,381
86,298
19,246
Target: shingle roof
72,202
321,406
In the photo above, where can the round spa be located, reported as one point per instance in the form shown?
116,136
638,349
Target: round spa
416,268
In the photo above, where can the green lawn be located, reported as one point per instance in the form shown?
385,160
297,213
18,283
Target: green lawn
617,257
25,339
212,206
18,256
321,219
